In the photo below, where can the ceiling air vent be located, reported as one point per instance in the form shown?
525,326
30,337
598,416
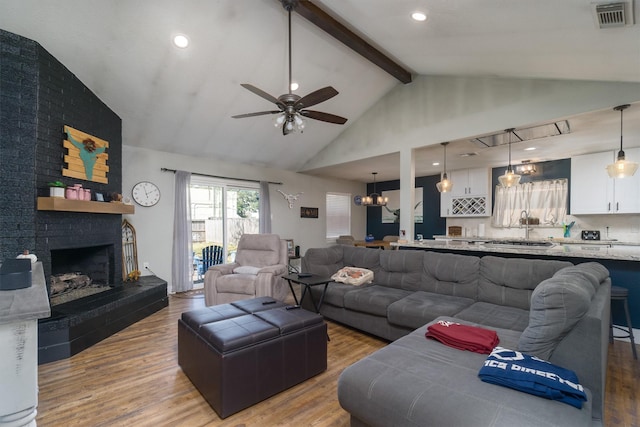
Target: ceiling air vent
613,14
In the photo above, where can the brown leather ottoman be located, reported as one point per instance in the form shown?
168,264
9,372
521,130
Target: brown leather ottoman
241,353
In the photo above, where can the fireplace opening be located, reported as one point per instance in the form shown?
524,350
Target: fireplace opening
80,272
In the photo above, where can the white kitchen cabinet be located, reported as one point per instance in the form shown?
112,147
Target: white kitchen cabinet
593,192
470,182
469,196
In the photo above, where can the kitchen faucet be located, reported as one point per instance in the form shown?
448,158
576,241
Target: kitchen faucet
526,223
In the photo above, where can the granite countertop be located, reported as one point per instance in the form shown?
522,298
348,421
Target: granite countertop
565,249
28,303
558,240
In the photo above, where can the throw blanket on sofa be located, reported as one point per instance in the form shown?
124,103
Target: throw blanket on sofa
463,337
529,374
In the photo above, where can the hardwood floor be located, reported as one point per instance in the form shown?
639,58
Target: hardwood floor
133,379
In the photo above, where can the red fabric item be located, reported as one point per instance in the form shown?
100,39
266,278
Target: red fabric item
463,337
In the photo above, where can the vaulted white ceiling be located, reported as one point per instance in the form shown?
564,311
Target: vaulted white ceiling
182,100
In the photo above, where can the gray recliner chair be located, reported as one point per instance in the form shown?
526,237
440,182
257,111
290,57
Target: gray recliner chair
261,261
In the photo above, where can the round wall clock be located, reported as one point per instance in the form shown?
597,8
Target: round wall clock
146,193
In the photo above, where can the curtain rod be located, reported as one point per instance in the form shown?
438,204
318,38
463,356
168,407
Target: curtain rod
221,177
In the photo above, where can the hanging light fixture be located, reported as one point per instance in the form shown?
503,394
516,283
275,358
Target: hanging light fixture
622,167
510,178
374,199
445,184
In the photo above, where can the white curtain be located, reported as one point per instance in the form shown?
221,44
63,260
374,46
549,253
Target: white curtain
265,208
545,200
182,260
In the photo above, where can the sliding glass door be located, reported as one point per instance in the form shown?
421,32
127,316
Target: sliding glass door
221,212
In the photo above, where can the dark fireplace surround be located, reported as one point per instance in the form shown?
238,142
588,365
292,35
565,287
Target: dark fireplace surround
38,96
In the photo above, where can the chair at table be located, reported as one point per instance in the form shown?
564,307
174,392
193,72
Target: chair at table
261,261
345,240
211,255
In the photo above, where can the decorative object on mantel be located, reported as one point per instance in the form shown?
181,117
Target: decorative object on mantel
622,167
26,255
445,185
290,198
290,106
509,179
308,212
56,189
86,158
374,199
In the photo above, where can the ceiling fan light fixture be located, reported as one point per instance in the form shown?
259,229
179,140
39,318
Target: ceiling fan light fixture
445,185
622,167
510,178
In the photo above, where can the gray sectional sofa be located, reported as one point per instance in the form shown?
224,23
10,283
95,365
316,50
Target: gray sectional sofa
550,309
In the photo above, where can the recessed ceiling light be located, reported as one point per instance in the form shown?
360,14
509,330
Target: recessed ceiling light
435,164
181,41
294,86
529,148
419,16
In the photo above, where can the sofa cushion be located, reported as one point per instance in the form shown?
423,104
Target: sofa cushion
496,316
421,307
400,269
557,304
258,250
356,256
451,274
335,293
418,382
323,261
373,299
237,284
510,281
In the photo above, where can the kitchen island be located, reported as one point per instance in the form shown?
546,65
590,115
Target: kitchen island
622,259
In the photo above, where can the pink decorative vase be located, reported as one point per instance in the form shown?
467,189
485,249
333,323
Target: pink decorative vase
87,194
72,193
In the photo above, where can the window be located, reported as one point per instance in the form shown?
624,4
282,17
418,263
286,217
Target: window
544,201
221,212
338,215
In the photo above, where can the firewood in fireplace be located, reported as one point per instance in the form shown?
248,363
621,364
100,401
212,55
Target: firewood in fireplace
68,281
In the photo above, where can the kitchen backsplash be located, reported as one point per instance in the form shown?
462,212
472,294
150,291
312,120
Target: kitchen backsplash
624,228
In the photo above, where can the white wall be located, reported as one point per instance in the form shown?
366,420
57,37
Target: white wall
154,225
433,109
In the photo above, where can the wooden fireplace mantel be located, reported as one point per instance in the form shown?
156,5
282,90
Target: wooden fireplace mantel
68,205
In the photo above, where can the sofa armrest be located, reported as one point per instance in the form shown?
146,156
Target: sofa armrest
276,270
224,269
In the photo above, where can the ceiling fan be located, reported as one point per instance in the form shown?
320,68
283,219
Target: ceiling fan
291,107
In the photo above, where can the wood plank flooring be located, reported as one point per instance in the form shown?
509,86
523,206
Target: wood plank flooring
133,379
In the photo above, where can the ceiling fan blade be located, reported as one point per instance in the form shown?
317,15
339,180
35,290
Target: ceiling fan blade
324,117
262,94
259,113
316,97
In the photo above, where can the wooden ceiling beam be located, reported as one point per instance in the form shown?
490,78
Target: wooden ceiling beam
327,23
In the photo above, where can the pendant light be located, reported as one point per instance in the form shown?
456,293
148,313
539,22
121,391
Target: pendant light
374,199
622,167
510,178
445,185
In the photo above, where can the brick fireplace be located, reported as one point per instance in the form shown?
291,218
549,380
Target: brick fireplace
38,96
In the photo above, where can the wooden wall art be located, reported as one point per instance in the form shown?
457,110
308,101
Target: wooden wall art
86,156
